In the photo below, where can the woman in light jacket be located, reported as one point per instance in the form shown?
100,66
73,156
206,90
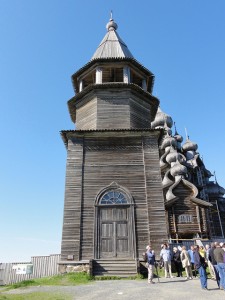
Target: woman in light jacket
186,262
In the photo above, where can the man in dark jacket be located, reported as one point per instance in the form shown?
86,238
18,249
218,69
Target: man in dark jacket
214,263
177,261
200,265
151,263
218,256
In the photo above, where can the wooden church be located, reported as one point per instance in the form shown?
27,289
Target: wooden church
129,181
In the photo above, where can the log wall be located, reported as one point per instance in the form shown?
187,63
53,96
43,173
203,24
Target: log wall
184,206
129,159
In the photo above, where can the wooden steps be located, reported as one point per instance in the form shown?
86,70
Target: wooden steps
116,267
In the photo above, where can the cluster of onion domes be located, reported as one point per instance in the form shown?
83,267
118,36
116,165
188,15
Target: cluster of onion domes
174,158
165,121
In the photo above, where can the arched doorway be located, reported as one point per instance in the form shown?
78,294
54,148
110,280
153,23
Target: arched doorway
114,227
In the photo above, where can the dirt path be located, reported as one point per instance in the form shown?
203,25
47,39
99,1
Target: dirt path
174,289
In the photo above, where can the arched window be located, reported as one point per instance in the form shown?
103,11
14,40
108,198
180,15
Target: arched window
113,197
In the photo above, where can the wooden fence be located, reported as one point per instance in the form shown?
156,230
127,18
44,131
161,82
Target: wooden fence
42,266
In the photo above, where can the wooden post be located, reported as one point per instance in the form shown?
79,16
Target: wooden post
81,85
126,74
144,84
98,75
198,218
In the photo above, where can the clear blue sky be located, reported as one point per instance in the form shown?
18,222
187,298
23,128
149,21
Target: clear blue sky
42,43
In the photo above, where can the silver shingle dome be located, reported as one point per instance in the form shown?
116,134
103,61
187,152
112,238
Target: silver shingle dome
189,146
169,141
173,156
178,169
162,120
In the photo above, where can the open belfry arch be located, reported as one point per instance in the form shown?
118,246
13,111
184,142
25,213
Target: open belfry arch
127,181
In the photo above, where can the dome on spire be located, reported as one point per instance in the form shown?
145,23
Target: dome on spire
177,136
169,141
162,120
111,25
112,46
189,145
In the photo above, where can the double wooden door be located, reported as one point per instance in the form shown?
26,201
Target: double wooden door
114,232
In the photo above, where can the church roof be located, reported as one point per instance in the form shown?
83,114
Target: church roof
112,46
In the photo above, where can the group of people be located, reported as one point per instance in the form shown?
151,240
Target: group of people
195,260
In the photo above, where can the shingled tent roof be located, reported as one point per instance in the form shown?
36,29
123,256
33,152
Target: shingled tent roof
112,46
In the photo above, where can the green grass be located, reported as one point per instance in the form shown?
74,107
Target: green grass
61,280
36,296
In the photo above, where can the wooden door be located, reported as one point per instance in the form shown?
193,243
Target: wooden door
114,232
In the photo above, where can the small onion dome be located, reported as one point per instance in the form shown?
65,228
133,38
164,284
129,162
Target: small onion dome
178,169
213,188
168,141
111,25
189,146
168,130
207,173
173,156
162,119
178,137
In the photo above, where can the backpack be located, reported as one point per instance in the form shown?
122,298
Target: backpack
145,256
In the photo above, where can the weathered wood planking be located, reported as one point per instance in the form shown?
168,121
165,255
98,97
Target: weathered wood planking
115,107
184,206
108,157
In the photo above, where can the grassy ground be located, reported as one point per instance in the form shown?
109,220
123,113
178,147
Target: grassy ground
35,296
62,280
70,279
58,280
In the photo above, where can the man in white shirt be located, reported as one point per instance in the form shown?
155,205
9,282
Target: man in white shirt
165,254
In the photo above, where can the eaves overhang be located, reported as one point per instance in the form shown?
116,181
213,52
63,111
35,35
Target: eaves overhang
66,134
134,87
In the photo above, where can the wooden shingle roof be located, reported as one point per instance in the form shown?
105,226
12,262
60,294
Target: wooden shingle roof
112,46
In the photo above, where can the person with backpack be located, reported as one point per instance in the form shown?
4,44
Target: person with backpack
151,263
200,265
